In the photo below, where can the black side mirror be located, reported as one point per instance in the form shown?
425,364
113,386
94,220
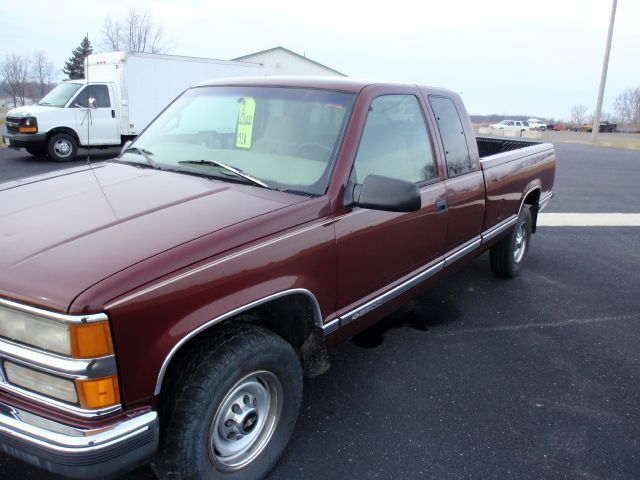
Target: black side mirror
388,194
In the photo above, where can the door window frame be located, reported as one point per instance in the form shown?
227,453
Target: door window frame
436,164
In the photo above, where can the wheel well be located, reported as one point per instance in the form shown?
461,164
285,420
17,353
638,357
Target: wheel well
66,130
292,317
532,199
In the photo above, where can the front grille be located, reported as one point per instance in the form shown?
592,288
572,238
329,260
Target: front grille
13,124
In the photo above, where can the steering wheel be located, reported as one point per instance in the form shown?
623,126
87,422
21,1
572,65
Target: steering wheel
318,151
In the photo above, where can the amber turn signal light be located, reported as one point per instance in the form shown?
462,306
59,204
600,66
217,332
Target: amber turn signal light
27,129
98,393
91,340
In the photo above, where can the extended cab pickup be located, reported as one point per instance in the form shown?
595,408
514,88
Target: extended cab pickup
165,305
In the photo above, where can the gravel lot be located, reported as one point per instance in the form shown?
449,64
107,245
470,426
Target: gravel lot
537,377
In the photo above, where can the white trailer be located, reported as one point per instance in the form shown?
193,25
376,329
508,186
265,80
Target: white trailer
121,94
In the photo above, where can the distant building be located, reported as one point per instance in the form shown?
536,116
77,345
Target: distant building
281,61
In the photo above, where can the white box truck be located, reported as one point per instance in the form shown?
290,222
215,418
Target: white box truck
121,94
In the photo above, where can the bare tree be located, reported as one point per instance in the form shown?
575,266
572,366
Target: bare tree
41,74
578,114
135,33
627,105
15,72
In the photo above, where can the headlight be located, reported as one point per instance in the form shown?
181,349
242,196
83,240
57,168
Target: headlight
77,340
28,125
38,332
39,382
70,359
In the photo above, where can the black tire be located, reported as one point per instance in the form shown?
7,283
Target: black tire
507,256
37,150
204,395
62,147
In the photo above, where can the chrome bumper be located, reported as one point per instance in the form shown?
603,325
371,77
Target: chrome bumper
78,453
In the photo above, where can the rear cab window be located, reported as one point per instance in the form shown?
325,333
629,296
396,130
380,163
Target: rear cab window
456,150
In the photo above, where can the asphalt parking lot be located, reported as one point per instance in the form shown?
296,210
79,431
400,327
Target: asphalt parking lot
536,377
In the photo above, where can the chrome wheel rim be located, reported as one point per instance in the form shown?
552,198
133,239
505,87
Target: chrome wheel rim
520,243
245,420
62,148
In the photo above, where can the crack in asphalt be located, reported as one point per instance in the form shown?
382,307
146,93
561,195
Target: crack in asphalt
525,326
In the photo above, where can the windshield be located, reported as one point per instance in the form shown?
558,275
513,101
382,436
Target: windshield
60,95
284,137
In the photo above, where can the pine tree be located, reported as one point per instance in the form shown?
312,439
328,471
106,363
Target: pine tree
74,67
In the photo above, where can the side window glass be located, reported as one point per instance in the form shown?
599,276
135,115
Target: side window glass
452,135
394,141
99,92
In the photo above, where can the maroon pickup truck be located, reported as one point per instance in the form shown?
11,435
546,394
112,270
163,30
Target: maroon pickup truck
164,306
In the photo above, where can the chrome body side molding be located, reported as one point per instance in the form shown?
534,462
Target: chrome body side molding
390,294
331,327
499,228
398,290
462,251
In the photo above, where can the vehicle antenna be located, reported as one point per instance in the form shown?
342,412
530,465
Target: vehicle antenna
86,75
89,121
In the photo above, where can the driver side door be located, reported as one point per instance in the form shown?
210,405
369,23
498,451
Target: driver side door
97,126
378,249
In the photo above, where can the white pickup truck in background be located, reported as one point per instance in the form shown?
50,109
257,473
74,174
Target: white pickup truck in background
510,125
536,124
122,93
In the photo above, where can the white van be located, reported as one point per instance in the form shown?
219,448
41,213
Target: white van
122,93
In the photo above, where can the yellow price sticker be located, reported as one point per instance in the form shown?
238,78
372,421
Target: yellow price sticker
245,122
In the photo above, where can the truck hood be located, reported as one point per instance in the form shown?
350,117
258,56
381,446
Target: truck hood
30,111
62,233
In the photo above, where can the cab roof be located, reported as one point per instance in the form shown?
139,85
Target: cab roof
345,84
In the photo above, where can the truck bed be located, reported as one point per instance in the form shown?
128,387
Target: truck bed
512,169
488,146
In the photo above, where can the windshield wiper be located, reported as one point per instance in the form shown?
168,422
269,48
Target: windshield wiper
235,170
146,154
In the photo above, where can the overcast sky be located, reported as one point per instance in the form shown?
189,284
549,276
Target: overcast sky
536,58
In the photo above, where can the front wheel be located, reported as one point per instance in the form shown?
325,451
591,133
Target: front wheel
231,411
507,256
62,147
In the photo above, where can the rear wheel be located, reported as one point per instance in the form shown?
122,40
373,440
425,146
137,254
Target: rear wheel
37,150
231,411
62,147
507,256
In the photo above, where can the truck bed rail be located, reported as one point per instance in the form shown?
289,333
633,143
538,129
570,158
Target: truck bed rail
492,146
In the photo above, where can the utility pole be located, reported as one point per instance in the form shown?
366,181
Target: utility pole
603,76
